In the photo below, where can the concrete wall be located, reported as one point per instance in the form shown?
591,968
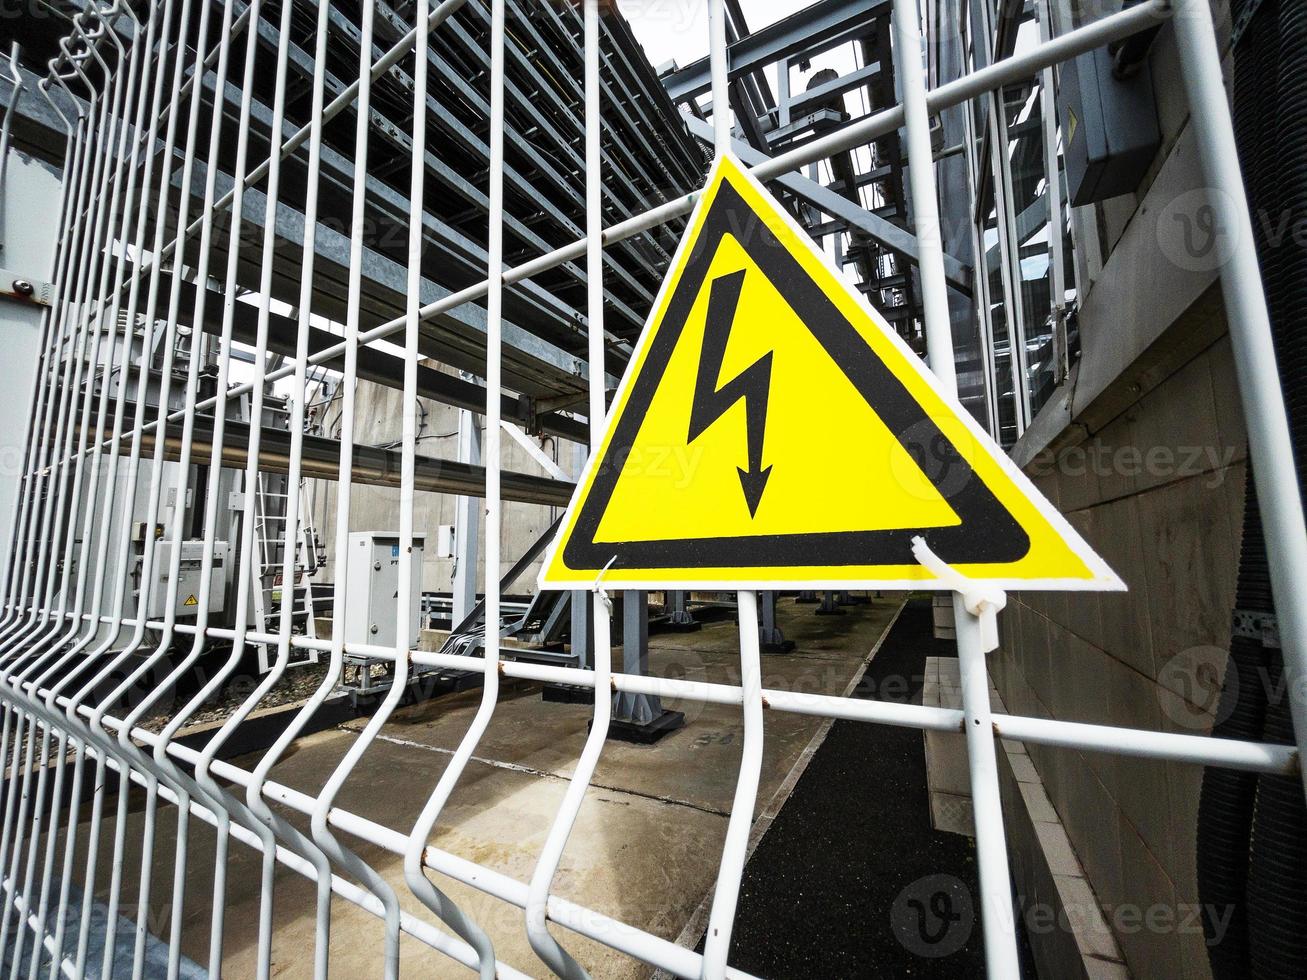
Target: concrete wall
1169,522
1144,450
377,423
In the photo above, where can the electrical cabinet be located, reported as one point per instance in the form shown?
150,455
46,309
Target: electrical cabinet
445,542
188,578
372,586
1109,127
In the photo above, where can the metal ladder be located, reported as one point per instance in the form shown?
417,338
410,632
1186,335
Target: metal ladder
268,554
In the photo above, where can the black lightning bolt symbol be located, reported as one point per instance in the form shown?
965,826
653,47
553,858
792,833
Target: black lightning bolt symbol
753,384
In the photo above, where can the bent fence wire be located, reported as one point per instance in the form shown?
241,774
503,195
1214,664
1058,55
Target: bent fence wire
138,128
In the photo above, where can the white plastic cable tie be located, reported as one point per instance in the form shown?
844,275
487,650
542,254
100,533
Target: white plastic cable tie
598,589
982,601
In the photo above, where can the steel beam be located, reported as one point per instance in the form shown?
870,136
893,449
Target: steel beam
376,366
828,201
372,465
798,32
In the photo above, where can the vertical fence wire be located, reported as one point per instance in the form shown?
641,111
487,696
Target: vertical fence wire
322,833
997,919
254,796
546,947
730,871
38,419
415,854
63,672
41,639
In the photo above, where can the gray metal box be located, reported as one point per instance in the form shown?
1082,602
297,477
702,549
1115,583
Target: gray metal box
1109,127
372,586
188,578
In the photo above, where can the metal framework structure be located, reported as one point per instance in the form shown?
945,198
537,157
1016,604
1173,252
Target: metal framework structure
133,78
1014,215
853,201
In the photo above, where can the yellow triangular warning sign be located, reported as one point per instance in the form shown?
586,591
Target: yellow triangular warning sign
191,601
772,430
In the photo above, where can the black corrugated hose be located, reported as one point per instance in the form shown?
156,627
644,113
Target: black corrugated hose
1252,830
1225,808
1277,873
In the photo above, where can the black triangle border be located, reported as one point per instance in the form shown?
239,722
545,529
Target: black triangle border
987,532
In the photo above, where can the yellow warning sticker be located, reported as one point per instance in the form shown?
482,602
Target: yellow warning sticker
772,429
191,601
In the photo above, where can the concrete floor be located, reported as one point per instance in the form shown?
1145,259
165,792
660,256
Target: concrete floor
645,846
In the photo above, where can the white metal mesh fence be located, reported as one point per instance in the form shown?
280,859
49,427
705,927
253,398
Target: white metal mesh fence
118,438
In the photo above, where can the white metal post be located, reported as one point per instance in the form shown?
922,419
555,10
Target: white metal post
721,918
15,52
1009,249
980,279
544,944
415,866
991,843
925,206
1269,444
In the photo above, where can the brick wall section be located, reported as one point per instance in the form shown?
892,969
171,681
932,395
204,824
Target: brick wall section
1169,522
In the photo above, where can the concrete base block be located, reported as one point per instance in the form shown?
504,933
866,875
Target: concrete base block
952,813
646,733
567,694
672,626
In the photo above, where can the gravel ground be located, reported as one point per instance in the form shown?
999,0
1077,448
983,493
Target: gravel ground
295,686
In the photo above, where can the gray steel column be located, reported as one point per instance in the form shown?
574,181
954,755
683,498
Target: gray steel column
582,636
771,636
467,527
678,610
638,709
829,605
582,639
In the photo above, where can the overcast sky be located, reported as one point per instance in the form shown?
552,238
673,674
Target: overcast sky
678,29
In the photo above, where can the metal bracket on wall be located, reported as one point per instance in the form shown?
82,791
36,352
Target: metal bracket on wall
1061,345
26,289
1260,626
